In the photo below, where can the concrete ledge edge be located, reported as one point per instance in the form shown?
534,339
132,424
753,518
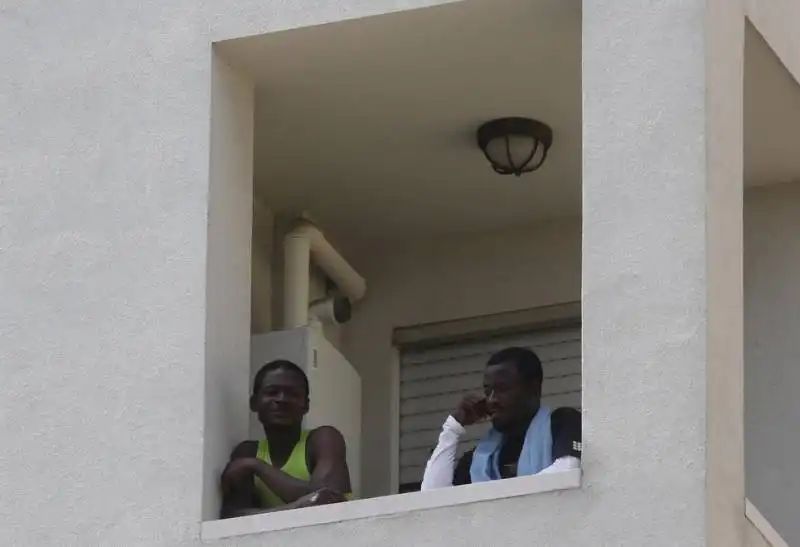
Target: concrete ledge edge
390,505
763,525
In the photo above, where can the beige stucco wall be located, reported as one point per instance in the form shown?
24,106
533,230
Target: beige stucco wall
424,282
104,182
263,252
104,189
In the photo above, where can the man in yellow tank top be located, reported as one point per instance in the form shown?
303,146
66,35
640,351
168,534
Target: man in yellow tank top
292,467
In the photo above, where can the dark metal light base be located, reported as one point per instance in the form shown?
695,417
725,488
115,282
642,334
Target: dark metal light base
504,128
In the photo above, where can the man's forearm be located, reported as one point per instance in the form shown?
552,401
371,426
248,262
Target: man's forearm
440,466
284,486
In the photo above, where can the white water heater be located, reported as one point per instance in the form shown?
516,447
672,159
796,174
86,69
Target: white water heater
335,386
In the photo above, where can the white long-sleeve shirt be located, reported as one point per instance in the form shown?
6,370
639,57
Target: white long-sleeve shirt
441,465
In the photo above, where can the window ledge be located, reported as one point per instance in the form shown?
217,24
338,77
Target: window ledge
390,505
762,525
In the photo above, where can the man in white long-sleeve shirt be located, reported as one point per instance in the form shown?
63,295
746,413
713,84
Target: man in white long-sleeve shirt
525,438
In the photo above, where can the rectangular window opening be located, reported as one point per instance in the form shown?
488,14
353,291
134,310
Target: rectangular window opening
333,129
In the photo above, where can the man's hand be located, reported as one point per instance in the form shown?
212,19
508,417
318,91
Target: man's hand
239,470
470,410
323,496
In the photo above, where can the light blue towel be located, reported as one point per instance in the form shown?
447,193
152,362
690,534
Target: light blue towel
536,452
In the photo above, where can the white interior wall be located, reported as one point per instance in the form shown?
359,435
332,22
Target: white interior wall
263,253
772,347
441,280
228,281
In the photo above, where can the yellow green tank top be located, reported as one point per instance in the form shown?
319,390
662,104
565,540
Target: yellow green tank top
295,466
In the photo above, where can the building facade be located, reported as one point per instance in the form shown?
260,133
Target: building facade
132,276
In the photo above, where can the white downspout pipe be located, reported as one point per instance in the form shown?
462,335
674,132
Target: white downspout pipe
296,279
304,242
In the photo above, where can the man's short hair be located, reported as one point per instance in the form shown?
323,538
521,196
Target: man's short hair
527,362
279,364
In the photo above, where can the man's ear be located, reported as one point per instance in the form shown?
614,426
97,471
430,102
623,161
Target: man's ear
307,406
253,408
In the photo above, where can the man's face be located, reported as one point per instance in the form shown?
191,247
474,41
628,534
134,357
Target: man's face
282,399
508,399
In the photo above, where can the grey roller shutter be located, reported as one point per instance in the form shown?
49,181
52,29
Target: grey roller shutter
434,379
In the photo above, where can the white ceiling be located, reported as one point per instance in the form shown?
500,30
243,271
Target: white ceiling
369,125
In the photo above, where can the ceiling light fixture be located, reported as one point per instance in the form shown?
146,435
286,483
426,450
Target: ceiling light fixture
515,145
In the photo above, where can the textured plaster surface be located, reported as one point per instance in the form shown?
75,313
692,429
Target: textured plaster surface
645,291
104,185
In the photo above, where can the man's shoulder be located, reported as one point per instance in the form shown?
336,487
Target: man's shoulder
565,413
565,427
325,433
325,430
565,419
245,449
325,439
